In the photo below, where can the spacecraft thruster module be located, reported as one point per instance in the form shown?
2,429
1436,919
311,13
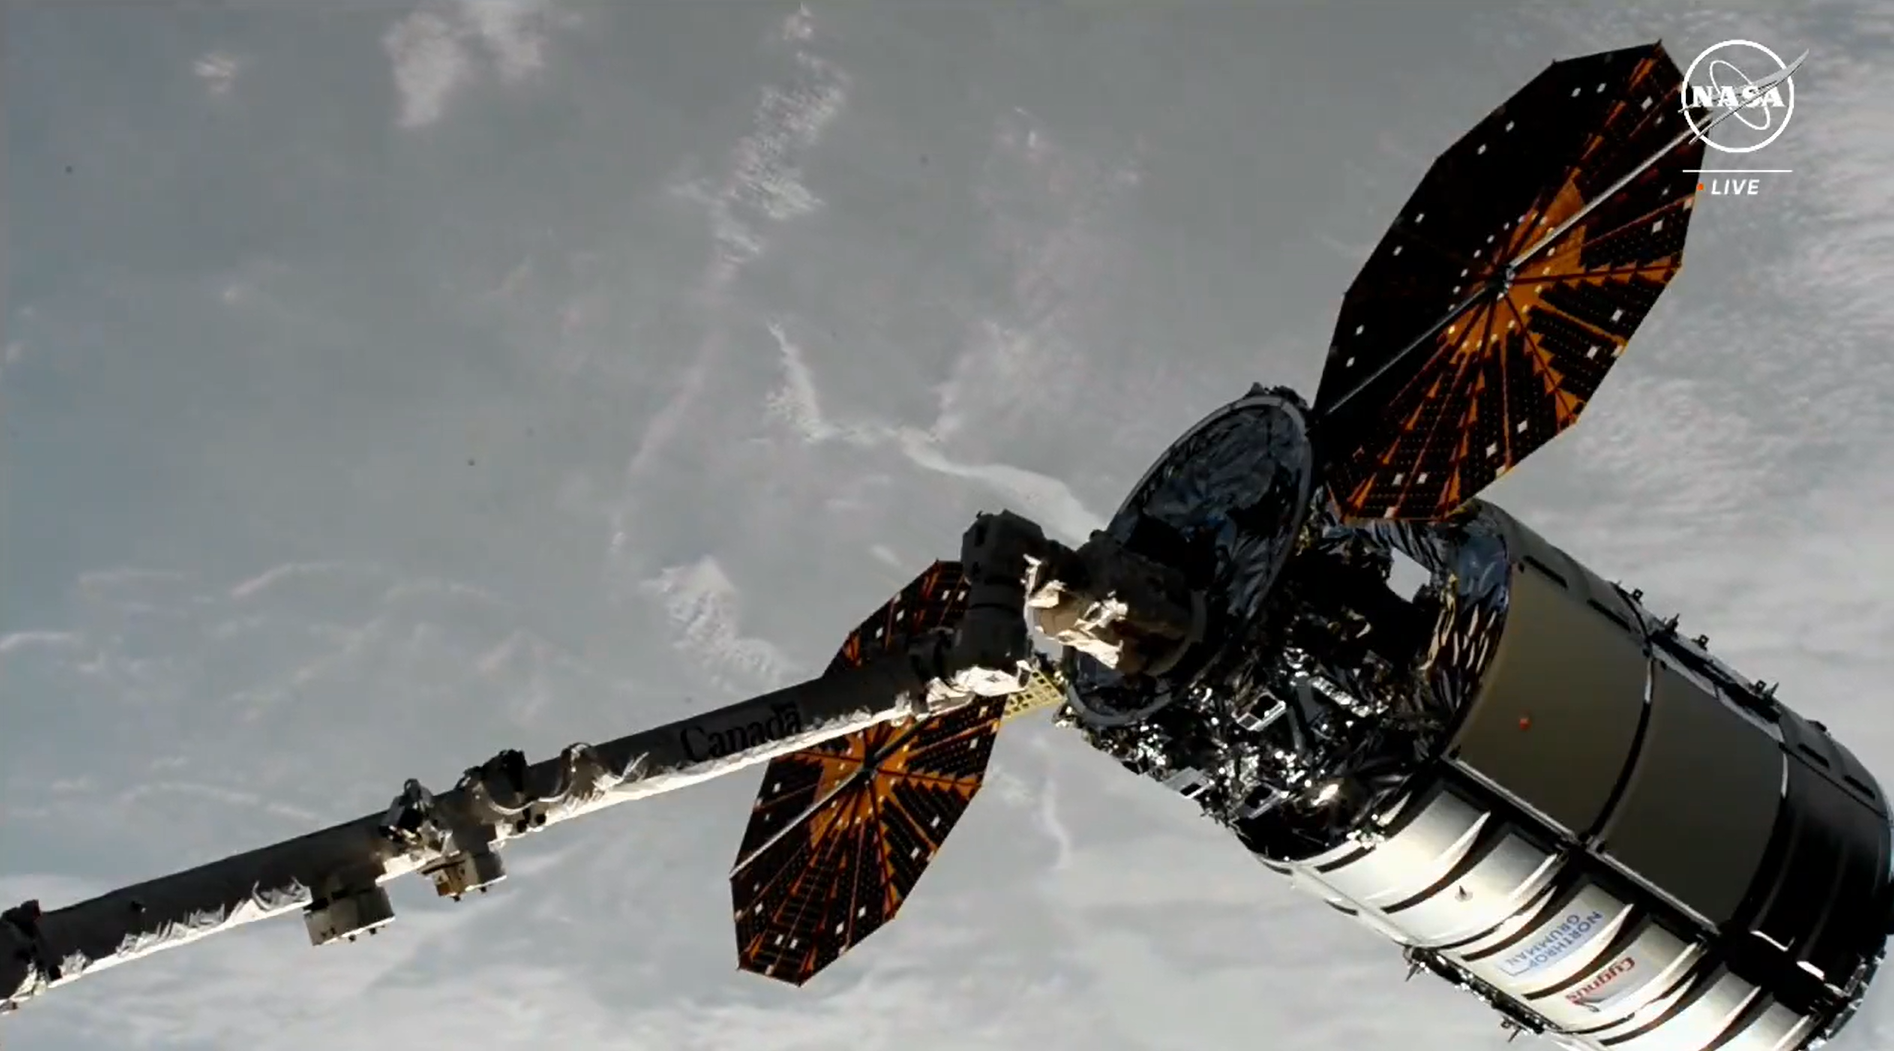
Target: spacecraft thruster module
1539,789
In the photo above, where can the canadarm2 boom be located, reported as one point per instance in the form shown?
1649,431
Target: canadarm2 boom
335,876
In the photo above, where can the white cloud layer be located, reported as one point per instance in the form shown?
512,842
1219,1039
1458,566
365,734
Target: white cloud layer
664,342
442,48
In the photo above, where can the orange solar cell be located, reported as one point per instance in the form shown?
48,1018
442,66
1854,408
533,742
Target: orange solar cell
841,832
1419,414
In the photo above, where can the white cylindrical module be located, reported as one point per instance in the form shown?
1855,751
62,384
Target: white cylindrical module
1621,842
1538,787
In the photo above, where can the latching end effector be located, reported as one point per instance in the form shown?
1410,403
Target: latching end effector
991,651
1128,612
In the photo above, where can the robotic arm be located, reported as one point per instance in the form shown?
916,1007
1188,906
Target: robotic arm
335,876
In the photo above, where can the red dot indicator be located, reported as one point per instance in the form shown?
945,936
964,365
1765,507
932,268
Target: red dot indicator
1525,722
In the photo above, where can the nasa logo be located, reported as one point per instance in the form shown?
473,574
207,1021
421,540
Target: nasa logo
1573,931
701,743
1603,987
1720,80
